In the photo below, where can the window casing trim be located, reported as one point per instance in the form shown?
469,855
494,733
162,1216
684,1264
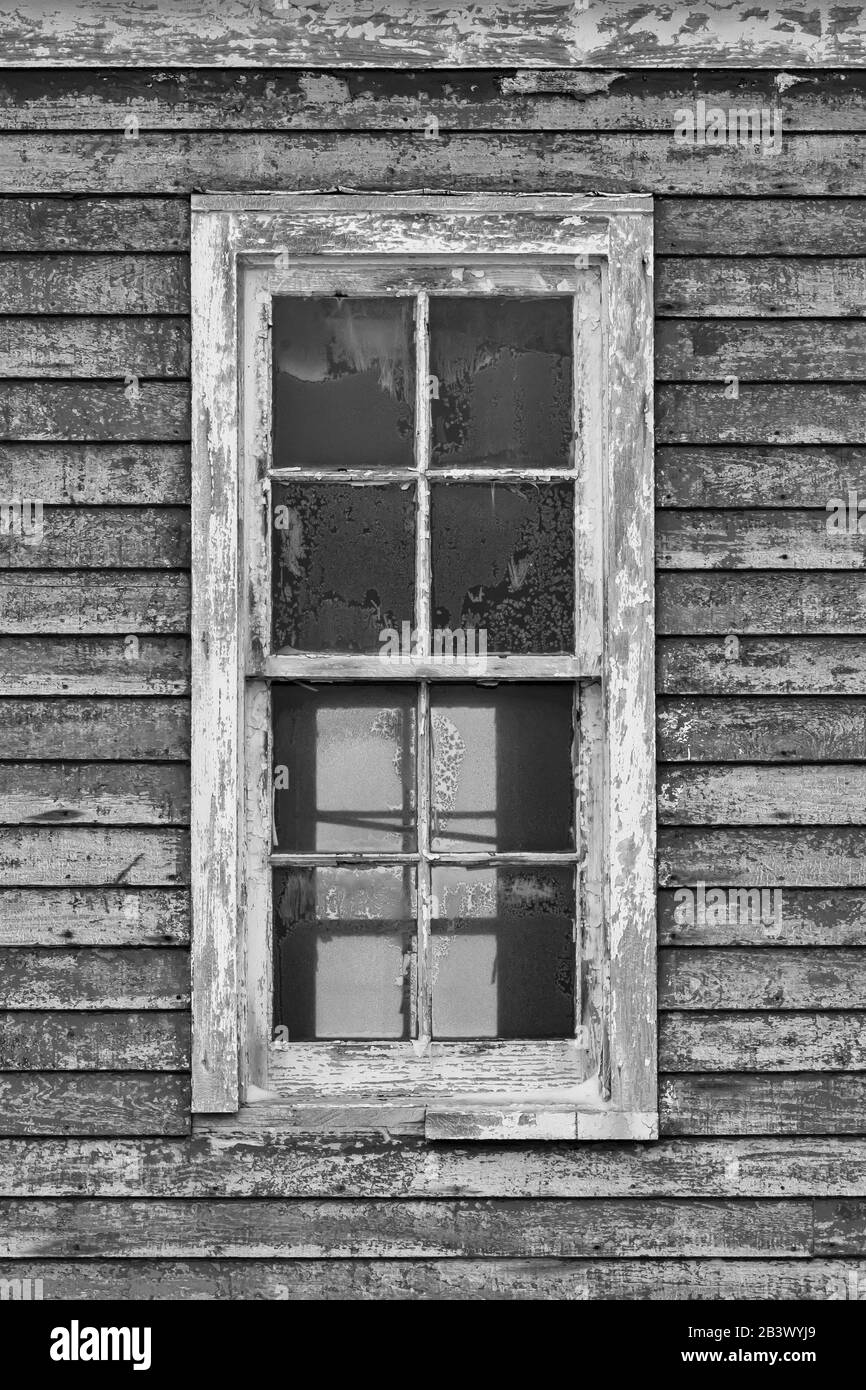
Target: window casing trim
234,238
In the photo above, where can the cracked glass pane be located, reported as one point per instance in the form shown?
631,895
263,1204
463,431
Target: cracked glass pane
502,395
344,382
503,563
503,952
502,771
344,953
343,566
344,768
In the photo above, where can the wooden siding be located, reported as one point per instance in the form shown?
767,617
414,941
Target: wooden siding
756,1188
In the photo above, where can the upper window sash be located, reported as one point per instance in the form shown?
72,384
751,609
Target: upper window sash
239,244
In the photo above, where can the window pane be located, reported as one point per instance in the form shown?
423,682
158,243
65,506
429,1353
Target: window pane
344,943
344,768
343,565
503,369
503,953
344,383
502,776
503,562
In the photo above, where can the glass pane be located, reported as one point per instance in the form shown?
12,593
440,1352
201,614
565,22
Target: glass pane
503,953
503,369
343,565
344,953
344,768
502,776
503,562
343,383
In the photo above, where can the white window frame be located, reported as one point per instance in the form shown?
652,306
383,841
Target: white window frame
245,249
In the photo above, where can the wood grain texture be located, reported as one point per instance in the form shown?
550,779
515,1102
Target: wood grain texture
396,1229
840,1227
761,666
93,602
93,1103
67,410
103,537
105,475
98,979
773,539
94,917
93,347
702,349
794,857
762,729
600,33
94,224
798,413
430,1280
762,286
754,795
94,1042
766,1042
771,1104
774,476
760,226
100,793
53,857
132,729
88,284
810,917
82,666
763,603
158,163
330,1153
762,979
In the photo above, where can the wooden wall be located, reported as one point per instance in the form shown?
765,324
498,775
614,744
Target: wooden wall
758,1186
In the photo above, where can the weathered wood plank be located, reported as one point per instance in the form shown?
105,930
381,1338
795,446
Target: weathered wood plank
794,857
94,1042
430,1280
451,100
730,1042
70,410
94,224
307,1155
691,476
790,539
727,604
760,226
773,414
761,666
94,347
175,163
395,1229
100,793
98,979
106,475
766,730
93,1103
131,729
810,917
729,34
754,795
81,666
840,1227
773,1104
760,287
93,917
102,537
86,284
757,350
759,979
92,857
93,602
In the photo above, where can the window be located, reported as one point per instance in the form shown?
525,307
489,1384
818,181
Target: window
423,763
